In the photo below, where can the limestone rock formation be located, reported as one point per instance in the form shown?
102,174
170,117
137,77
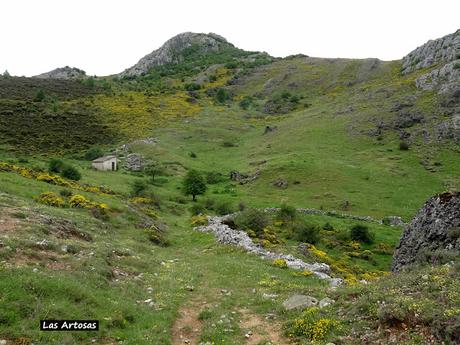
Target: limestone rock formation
435,227
134,162
441,50
172,51
63,73
444,54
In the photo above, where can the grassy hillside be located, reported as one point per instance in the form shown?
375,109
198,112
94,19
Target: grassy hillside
349,136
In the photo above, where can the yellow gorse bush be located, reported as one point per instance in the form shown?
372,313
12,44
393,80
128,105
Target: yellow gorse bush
281,263
51,199
52,179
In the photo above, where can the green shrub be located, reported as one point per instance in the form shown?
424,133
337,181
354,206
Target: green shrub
224,207
252,219
193,155
197,209
65,193
213,177
305,232
222,96
93,153
457,65
404,146
138,188
40,96
246,102
192,87
328,227
70,172
361,233
55,165
286,213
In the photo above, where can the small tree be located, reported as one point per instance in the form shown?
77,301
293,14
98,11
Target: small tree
361,233
6,74
153,168
194,184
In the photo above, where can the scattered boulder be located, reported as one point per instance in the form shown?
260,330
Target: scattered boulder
280,183
407,119
299,302
134,162
435,227
243,178
325,302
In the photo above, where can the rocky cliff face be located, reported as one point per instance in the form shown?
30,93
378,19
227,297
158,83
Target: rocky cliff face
63,73
444,54
171,51
435,227
442,50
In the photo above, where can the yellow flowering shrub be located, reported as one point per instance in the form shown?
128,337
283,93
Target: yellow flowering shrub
304,273
79,201
52,179
141,200
312,326
199,220
51,199
281,263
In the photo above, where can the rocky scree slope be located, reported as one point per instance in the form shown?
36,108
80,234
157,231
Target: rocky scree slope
435,228
171,51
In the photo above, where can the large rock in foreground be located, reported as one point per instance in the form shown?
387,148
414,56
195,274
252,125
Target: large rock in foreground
435,227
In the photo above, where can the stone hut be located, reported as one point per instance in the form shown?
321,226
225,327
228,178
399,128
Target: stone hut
105,163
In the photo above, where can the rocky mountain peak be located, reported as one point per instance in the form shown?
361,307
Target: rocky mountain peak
171,51
63,73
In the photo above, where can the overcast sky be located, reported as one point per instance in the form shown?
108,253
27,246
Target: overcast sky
106,36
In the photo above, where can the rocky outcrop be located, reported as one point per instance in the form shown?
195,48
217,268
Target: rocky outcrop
172,51
439,51
436,227
134,162
444,53
63,73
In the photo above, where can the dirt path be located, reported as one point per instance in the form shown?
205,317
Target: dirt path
187,327
258,330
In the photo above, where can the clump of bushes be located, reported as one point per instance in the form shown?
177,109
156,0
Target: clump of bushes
361,233
286,213
138,188
51,199
156,236
252,219
305,232
65,170
93,153
70,172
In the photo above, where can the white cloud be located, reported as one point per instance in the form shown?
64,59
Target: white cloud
106,36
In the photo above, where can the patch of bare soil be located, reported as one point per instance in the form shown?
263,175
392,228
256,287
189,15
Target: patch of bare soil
8,223
261,331
187,328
